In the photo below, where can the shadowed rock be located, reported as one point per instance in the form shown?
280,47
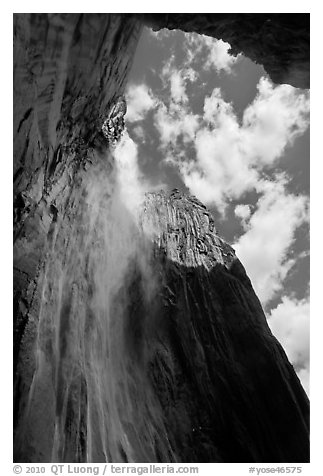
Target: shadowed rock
278,41
157,350
127,346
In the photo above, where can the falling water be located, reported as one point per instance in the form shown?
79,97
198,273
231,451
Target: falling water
85,391
144,353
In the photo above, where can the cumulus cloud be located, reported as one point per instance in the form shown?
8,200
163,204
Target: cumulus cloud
230,155
289,322
139,133
173,118
218,57
275,118
140,100
214,54
230,159
177,79
243,212
220,169
269,234
172,123
199,49
177,87
233,157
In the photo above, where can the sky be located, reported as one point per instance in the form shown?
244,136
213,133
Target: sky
215,126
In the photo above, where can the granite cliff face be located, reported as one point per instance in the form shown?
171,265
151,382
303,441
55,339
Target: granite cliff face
226,386
69,71
132,341
151,345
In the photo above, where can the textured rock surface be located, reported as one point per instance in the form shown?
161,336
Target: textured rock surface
239,397
114,126
68,71
125,350
278,41
151,346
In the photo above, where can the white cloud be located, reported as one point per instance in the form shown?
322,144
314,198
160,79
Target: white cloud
174,122
140,100
218,56
177,79
243,212
220,170
230,159
269,235
177,87
172,118
275,118
193,45
289,322
139,133
212,53
231,155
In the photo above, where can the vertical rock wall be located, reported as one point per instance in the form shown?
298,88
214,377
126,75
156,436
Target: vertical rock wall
68,71
131,343
228,391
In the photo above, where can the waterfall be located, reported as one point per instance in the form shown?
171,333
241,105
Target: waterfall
81,386
149,344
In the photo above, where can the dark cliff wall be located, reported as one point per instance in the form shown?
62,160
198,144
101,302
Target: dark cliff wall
150,344
124,371
224,382
278,41
68,71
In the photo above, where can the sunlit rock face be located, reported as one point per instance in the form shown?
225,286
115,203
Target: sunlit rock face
69,69
224,382
150,344
114,126
184,230
278,41
134,340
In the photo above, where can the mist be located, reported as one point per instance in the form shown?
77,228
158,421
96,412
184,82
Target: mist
79,346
